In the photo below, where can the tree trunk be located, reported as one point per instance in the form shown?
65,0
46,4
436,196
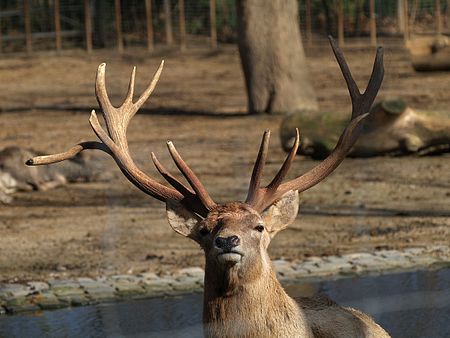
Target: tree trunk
272,57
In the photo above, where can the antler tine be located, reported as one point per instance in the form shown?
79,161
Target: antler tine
130,92
193,180
263,194
351,84
190,195
375,81
258,168
114,142
76,149
361,104
279,177
129,168
172,180
149,90
100,88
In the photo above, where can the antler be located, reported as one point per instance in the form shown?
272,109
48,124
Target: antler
114,142
262,197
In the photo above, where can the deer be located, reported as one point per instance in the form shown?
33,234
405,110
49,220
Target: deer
14,176
242,295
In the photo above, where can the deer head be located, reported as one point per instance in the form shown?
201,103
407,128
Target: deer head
233,235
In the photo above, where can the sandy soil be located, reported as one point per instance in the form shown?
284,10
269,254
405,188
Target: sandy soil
110,227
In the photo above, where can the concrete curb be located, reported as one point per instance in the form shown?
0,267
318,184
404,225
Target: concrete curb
53,294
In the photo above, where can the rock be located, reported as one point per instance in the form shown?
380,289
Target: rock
314,269
191,272
283,269
395,259
84,280
127,289
73,296
414,251
155,287
98,291
130,278
92,283
48,301
14,290
337,265
78,300
20,304
423,261
63,284
187,283
38,286
148,276
365,262
101,294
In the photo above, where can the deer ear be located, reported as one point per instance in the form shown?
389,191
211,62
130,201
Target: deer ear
282,213
182,220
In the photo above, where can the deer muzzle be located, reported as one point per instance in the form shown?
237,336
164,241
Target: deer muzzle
228,249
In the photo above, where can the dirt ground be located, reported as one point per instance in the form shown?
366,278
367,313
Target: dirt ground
93,229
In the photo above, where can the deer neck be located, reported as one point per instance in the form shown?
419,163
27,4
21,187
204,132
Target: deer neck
250,305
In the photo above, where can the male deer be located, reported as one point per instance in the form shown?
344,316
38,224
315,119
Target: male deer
242,297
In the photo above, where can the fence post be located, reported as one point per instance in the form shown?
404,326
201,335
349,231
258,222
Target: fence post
57,17
448,14
118,14
341,22
168,23
406,16
213,23
26,14
308,22
1,35
373,24
400,16
438,17
149,21
182,24
88,25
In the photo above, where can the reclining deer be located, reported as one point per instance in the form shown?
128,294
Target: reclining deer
242,296
15,177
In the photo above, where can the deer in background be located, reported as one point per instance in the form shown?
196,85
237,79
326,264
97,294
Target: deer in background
242,296
15,177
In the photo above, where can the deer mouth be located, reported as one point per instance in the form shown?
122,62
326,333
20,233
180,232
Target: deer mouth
229,257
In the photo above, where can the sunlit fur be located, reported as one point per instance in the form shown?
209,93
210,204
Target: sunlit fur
245,299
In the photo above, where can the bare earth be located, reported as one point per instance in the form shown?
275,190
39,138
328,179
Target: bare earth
112,228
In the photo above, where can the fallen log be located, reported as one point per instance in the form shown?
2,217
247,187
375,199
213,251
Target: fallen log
430,53
393,129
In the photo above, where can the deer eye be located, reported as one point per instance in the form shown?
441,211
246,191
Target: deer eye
259,228
204,231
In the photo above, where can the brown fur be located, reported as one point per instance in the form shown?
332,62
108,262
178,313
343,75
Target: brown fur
243,297
16,176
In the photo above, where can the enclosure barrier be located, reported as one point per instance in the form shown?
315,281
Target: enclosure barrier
30,25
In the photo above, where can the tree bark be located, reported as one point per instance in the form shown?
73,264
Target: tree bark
272,57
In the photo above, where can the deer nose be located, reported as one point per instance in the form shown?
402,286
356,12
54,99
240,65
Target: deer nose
227,243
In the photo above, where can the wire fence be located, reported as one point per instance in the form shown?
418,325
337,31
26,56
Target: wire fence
33,25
